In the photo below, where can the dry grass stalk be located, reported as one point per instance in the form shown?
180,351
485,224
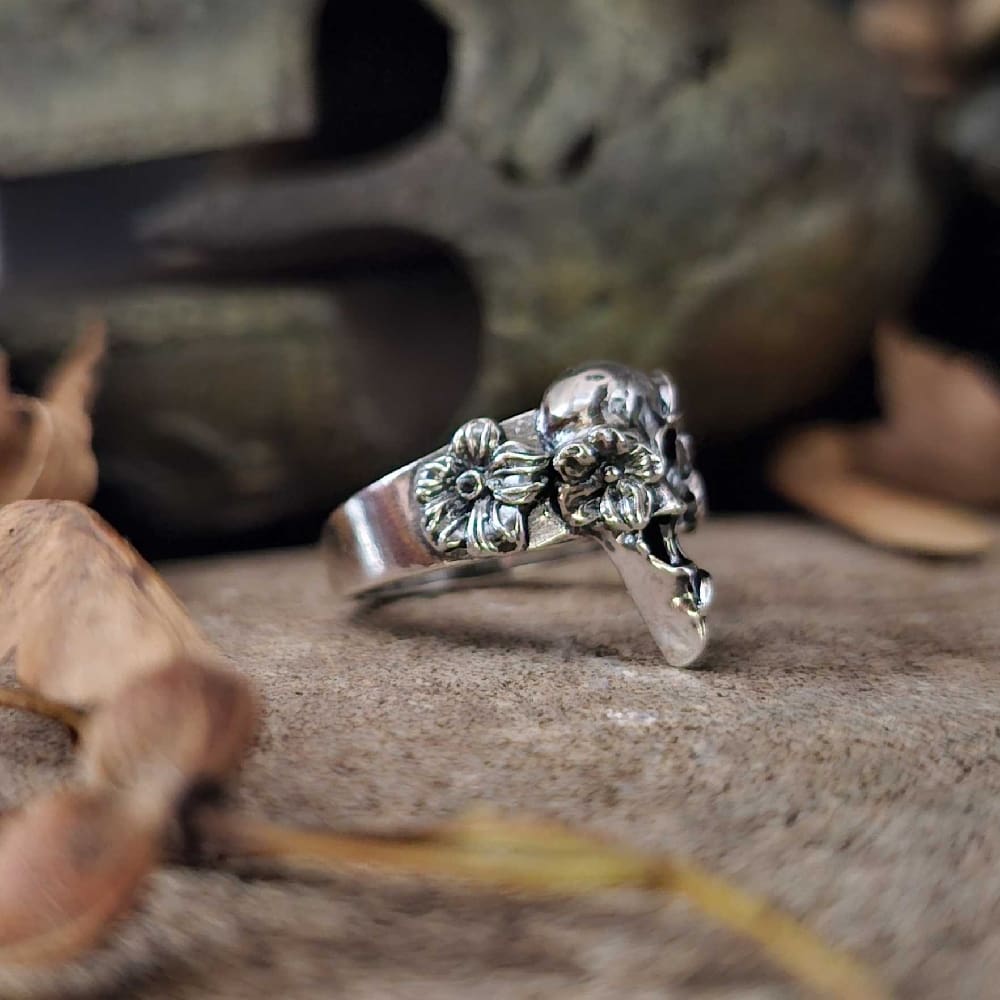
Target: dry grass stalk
31,701
84,612
545,858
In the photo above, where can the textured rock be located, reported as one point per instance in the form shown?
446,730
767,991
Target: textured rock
84,84
224,409
839,755
723,189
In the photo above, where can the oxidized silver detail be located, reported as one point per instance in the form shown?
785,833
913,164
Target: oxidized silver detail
610,477
602,460
607,459
474,496
625,470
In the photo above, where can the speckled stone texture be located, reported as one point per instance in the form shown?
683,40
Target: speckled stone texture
839,755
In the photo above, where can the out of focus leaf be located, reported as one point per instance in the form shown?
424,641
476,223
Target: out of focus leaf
86,613
817,469
941,432
916,37
910,480
931,43
45,443
185,725
93,625
70,863
979,23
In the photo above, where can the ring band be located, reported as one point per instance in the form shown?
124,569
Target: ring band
603,460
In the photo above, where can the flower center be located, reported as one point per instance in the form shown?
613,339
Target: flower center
470,484
612,473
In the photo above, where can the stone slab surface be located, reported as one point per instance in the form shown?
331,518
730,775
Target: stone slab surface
102,82
840,755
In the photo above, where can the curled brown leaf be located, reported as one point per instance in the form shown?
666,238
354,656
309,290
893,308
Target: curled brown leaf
168,731
70,468
70,862
45,443
934,45
940,435
909,481
85,613
25,436
978,24
816,469
93,625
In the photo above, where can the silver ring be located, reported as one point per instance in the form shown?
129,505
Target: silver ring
603,460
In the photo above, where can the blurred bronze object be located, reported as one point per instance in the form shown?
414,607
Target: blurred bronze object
724,189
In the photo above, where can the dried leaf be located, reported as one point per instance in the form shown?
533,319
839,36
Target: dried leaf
86,613
94,625
168,732
941,432
916,36
70,863
73,862
70,469
816,469
933,44
15,423
548,858
25,440
45,444
978,23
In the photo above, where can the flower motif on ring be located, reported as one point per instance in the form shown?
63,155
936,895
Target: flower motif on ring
609,477
476,495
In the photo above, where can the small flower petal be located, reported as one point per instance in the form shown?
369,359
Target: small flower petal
627,506
644,464
474,442
434,478
575,461
581,504
517,474
495,527
444,522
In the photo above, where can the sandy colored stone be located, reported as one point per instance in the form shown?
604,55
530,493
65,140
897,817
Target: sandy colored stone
839,755
89,84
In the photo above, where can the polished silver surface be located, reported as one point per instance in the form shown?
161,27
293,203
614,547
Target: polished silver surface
601,461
